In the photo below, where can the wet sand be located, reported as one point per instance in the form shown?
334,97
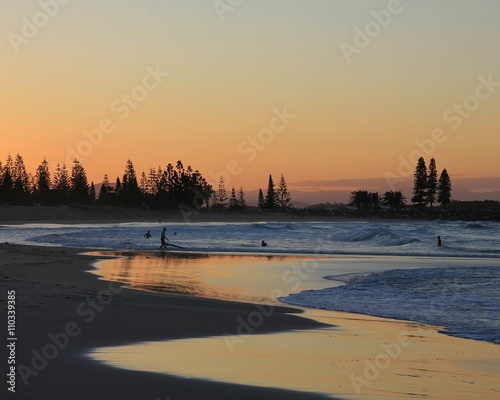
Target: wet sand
63,313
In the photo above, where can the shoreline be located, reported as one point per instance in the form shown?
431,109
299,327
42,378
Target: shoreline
54,288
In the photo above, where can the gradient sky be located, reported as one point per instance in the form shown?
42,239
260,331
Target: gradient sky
230,68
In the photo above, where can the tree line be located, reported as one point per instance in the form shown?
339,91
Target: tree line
169,187
276,199
428,189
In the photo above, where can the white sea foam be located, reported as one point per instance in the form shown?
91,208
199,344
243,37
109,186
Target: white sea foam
464,300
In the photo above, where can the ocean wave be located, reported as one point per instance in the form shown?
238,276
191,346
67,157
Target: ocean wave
464,300
379,237
475,225
275,226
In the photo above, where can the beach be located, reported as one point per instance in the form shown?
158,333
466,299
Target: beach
53,290
63,313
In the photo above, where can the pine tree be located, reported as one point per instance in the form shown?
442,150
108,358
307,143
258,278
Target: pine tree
6,189
20,179
432,183
233,200
153,182
241,199
6,186
420,183
105,189
270,201
143,185
9,165
444,189
79,185
61,184
92,194
220,195
118,187
283,198
42,181
261,203
130,192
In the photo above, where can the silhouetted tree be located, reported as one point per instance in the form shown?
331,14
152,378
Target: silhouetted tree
444,189
375,200
270,201
42,182
20,179
241,199
79,192
233,200
61,184
118,187
130,192
143,184
92,194
395,200
152,184
261,202
283,198
432,183
106,191
220,195
360,198
420,183
7,186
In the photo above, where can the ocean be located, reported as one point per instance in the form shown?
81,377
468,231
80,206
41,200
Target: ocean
393,269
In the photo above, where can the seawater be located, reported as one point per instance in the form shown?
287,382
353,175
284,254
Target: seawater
460,239
461,292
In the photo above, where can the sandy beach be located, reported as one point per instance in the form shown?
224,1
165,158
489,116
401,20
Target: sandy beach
58,304
63,312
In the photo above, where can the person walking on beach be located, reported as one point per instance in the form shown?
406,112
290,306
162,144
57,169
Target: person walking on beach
439,241
147,235
164,239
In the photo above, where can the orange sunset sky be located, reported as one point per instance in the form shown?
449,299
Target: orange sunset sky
334,94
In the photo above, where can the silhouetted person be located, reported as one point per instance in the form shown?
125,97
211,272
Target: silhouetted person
164,239
439,241
147,235
264,244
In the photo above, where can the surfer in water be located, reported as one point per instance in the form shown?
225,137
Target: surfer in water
439,241
164,239
147,235
264,244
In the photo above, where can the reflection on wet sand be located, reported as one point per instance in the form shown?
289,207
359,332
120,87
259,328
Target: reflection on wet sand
224,277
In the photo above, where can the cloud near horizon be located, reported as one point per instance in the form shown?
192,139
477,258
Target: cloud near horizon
476,185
